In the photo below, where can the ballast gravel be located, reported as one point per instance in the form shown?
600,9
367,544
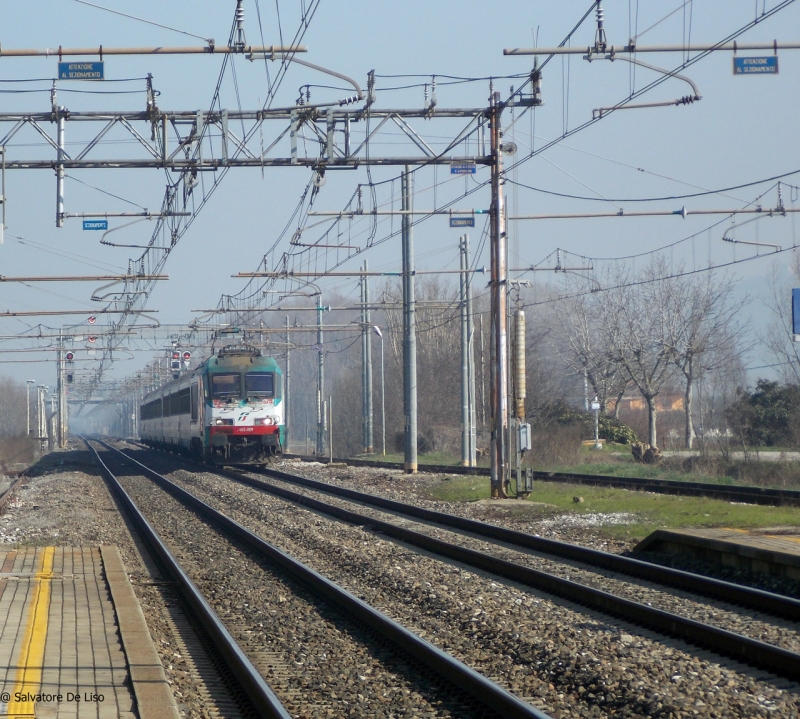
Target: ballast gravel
571,662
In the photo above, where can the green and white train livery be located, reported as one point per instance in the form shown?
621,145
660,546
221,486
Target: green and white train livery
229,410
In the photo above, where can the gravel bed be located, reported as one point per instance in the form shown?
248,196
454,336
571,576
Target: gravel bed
764,627
577,529
64,502
576,662
319,663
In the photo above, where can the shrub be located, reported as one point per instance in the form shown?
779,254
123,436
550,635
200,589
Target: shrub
609,429
768,416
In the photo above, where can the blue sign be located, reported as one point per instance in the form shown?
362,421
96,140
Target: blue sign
462,222
468,168
755,65
80,70
796,312
95,224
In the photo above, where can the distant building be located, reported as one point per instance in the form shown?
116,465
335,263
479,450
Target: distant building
665,402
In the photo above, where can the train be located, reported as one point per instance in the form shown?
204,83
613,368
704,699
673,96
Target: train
228,410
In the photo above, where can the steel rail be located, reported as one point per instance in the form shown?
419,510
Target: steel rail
745,494
8,495
768,602
465,678
752,652
257,690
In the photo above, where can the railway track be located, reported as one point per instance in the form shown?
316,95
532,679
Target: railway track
776,604
730,493
468,691
747,649
257,693
8,495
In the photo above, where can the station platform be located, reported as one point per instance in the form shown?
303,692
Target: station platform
73,639
775,552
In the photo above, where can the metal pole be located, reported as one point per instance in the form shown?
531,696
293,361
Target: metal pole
383,403
597,444
2,191
499,309
60,167
409,331
321,384
471,397
28,406
330,426
585,389
612,50
369,445
287,393
209,49
62,396
364,330
465,429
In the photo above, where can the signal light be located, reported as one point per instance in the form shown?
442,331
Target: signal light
70,356
187,356
175,364
69,379
176,355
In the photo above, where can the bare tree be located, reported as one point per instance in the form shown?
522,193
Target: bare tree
702,331
636,327
578,337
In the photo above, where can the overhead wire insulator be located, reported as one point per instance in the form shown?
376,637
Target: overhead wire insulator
240,42
600,42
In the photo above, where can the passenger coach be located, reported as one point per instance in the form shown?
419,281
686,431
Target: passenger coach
228,410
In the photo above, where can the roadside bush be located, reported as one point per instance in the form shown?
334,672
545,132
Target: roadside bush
768,416
609,429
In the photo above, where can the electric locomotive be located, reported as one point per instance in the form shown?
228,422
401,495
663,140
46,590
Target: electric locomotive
229,410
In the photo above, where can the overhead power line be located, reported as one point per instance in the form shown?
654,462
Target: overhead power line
665,198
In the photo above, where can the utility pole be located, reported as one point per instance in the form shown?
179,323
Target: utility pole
41,416
60,113
409,329
287,385
28,383
63,429
499,300
320,383
467,363
366,365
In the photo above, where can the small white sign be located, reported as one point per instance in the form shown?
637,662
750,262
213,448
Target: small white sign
595,406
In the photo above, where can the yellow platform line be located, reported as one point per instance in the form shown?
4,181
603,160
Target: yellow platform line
28,679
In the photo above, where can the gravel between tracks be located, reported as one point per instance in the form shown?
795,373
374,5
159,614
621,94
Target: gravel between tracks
577,662
319,664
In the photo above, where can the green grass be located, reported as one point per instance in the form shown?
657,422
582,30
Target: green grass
654,511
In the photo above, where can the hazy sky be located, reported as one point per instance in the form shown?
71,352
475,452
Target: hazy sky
743,130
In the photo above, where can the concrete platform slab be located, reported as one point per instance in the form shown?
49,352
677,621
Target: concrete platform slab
62,633
774,554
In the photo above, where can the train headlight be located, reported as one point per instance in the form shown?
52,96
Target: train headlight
265,421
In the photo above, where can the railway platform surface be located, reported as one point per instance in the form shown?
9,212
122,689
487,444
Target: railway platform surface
764,551
73,640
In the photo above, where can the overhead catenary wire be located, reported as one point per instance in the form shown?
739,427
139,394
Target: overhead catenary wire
665,198
143,20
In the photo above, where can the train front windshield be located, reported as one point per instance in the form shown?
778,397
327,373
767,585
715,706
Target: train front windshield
224,386
259,384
